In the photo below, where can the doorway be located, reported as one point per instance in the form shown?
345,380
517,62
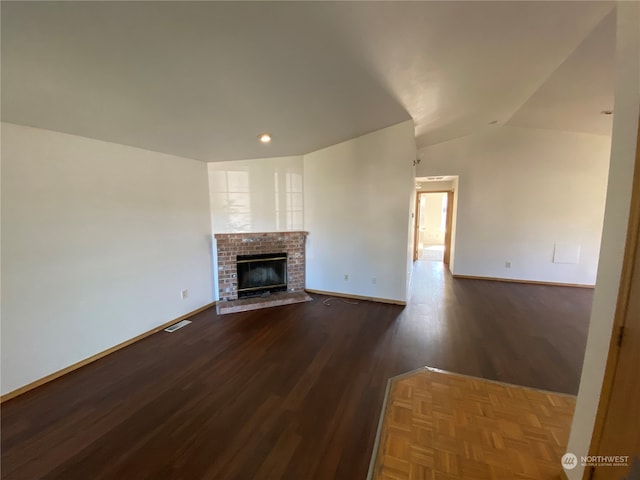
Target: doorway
432,239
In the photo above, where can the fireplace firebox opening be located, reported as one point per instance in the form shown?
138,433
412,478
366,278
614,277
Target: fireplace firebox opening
261,274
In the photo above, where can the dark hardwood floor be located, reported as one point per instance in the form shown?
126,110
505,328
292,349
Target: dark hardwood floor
290,392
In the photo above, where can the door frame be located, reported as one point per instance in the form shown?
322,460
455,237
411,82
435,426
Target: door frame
622,317
448,225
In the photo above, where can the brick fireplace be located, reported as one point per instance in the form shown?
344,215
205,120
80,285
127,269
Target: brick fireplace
230,245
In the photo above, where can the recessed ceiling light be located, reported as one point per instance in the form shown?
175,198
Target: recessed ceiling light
607,112
264,137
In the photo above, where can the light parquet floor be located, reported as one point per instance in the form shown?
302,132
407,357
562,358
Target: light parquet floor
438,426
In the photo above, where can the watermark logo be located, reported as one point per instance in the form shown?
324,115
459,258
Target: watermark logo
569,461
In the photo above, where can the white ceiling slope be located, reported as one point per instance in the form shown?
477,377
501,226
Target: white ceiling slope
202,79
582,87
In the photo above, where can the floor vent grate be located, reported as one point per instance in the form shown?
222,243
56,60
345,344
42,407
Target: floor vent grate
176,326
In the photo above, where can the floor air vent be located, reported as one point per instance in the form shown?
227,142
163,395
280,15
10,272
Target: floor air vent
176,326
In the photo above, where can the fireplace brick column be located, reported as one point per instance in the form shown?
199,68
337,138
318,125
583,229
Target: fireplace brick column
230,245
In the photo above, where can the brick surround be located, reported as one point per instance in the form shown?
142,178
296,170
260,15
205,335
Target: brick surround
231,245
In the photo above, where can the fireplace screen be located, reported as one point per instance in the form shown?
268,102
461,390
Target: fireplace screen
260,274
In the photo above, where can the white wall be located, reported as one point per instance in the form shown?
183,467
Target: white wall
357,197
520,191
98,240
623,149
262,195
411,232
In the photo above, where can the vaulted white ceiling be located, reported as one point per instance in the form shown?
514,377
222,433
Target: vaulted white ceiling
203,79
579,89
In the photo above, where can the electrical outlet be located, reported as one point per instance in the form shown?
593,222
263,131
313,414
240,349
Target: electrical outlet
184,294
374,280
346,276
507,264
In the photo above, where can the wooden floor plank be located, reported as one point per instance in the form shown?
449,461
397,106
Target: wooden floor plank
293,391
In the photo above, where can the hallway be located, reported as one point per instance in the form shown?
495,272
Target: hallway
432,253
